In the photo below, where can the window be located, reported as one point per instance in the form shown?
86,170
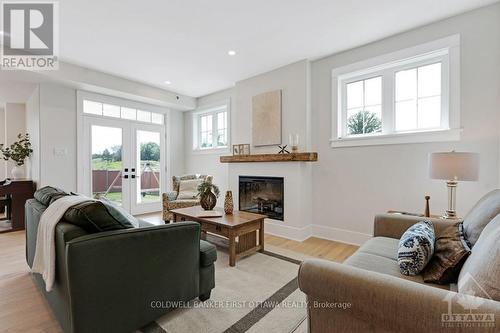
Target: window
116,111
210,128
418,98
402,97
364,106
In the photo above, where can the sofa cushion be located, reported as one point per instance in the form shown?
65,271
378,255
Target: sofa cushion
188,189
381,246
478,217
416,247
450,252
48,194
480,273
208,253
383,264
96,216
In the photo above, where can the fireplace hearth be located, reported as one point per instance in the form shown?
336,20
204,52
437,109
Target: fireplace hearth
262,195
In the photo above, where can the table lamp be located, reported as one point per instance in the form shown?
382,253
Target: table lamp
452,167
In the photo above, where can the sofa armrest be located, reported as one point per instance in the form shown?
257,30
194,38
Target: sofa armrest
386,302
394,225
114,274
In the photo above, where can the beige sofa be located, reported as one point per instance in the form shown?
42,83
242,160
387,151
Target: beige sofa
170,200
367,293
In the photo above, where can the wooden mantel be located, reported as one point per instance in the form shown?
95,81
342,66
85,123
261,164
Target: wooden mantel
292,157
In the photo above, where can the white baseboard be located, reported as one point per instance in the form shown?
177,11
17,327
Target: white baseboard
339,235
294,233
314,230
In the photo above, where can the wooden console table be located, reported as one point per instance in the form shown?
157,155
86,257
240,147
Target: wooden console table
19,191
240,228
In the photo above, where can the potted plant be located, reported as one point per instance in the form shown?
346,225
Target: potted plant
18,152
208,194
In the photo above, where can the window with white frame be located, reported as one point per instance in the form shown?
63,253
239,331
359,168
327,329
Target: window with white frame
402,97
116,111
210,128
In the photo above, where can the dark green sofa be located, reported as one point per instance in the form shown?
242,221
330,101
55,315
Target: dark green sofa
119,281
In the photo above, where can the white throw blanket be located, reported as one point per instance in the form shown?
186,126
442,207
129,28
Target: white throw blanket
45,252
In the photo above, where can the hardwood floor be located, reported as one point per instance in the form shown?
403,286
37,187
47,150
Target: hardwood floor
23,308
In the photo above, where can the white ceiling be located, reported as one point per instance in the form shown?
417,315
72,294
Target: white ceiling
186,41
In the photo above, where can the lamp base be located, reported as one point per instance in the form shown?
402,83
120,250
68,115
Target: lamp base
451,213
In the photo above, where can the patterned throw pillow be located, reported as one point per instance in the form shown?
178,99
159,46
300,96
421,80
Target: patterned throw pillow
416,247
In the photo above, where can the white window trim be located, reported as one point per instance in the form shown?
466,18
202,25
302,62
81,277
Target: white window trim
446,50
208,109
82,95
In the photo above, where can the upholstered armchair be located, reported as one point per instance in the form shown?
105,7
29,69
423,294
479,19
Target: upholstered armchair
170,200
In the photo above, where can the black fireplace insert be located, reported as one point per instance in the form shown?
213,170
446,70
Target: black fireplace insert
262,195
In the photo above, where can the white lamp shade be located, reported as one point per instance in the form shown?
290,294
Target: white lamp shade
454,166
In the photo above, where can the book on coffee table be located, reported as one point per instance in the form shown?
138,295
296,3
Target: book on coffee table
209,213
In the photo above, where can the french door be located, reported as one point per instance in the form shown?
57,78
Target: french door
124,163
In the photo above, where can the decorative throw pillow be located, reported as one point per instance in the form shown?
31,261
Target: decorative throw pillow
96,216
119,213
188,189
451,249
480,215
416,247
48,194
480,274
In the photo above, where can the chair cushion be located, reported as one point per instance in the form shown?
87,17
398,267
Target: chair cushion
48,194
97,216
177,179
208,253
478,217
416,247
188,189
450,252
480,273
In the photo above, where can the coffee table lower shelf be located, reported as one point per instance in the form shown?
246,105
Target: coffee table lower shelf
244,231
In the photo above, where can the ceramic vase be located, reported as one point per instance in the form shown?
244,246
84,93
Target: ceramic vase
228,203
208,200
17,172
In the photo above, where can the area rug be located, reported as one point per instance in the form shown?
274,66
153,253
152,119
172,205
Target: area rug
259,294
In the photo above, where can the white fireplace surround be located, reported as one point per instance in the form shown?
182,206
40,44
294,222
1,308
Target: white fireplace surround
297,194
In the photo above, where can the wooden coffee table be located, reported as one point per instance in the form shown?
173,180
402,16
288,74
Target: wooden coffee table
244,231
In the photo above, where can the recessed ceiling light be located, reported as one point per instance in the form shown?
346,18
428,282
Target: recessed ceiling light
231,52
168,82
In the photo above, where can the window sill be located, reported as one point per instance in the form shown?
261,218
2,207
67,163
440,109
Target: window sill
211,151
399,138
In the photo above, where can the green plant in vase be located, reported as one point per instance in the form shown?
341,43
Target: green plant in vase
18,152
208,194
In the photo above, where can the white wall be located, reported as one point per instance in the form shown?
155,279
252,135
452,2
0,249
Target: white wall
58,132
52,123
15,123
33,128
206,162
291,79
350,185
175,142
3,164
